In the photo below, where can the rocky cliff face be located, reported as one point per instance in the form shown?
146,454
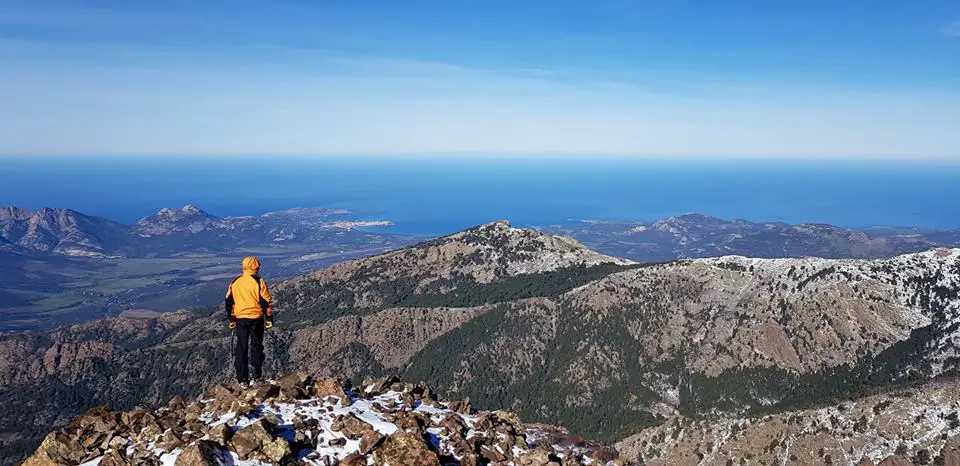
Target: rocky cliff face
301,420
519,320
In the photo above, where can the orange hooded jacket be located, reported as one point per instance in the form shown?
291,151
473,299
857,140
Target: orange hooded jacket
248,296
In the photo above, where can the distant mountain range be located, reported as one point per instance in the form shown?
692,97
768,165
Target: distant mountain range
718,360
189,229
698,235
170,231
61,266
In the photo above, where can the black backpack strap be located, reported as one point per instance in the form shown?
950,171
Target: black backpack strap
229,301
263,302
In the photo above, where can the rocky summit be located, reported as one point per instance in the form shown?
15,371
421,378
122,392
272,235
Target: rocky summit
322,421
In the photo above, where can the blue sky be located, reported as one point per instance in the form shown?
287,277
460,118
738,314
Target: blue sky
844,79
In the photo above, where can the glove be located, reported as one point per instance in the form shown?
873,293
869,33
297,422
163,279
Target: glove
268,324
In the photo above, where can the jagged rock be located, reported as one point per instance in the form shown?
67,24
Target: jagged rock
177,402
201,453
141,438
221,434
462,407
291,386
276,450
369,441
373,387
114,458
408,422
454,426
407,449
490,453
57,448
117,443
41,458
250,439
351,426
261,393
323,388
469,459
354,459
222,393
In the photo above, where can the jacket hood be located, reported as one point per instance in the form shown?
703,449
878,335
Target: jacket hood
251,265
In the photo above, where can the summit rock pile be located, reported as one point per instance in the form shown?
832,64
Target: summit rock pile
301,420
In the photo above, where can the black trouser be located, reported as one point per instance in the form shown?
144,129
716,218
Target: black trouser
249,341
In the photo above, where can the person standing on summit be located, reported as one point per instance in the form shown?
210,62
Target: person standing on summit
249,313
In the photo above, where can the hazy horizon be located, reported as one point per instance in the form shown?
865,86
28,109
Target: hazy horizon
442,195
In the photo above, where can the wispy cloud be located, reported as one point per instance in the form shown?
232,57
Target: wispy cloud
951,30
383,106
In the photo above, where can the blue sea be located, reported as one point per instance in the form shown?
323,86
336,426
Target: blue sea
436,195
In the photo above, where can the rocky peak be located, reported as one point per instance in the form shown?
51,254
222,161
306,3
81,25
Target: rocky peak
62,231
690,223
168,221
191,209
318,421
53,220
14,213
480,255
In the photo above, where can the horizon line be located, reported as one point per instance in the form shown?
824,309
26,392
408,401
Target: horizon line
455,156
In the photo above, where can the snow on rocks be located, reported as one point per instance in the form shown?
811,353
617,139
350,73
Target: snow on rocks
324,422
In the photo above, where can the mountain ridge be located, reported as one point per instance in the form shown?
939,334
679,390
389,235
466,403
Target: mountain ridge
167,232
699,235
684,236
606,349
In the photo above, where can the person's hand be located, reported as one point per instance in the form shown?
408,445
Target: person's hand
268,325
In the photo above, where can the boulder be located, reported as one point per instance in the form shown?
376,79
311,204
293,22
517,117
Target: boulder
354,459
291,386
220,434
221,392
201,453
369,441
276,450
351,426
41,458
57,448
250,439
325,388
407,449
374,387
462,407
114,458
490,453
261,393
177,402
